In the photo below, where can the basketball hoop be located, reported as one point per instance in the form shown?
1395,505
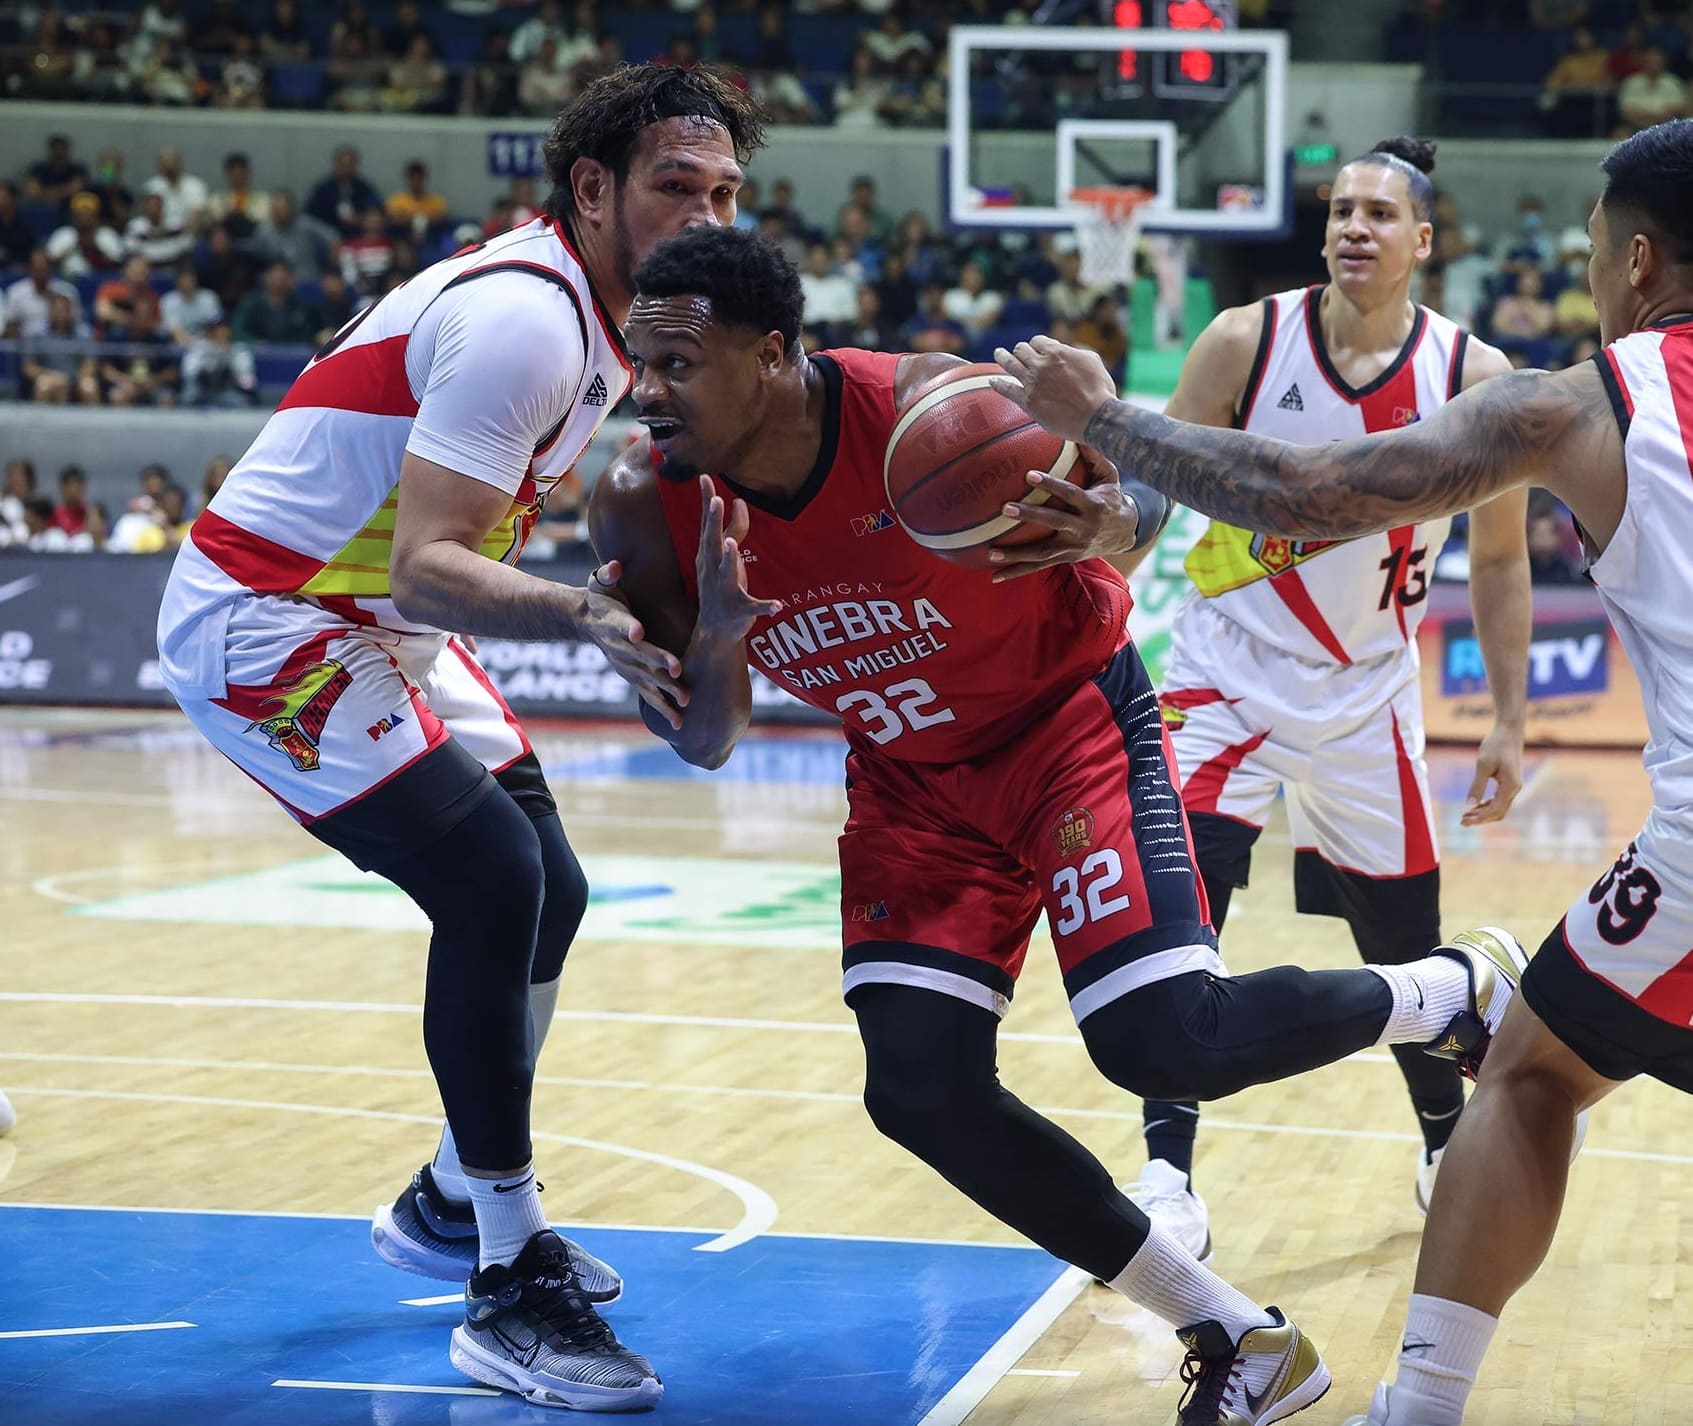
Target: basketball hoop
1107,231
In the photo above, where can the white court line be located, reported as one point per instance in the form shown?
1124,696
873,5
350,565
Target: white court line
969,1390
442,1301
386,1386
1037,1371
758,1208
99,1331
610,1017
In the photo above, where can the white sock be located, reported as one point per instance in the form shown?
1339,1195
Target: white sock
1440,1356
446,1169
508,1213
1426,995
1162,1278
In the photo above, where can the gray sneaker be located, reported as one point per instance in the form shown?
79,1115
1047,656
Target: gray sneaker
528,1328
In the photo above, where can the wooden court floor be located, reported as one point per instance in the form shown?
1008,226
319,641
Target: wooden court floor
181,1026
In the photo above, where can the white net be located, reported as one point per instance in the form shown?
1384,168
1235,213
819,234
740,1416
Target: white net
1107,233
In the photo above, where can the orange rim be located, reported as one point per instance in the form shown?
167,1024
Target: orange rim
1117,205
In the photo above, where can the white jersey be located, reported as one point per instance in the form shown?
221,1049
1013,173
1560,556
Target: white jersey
1644,576
1330,601
498,362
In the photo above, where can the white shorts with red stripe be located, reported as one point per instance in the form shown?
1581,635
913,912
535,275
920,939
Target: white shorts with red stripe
1634,928
320,712
1247,720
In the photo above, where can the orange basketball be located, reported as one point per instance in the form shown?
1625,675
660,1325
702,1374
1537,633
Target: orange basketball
959,452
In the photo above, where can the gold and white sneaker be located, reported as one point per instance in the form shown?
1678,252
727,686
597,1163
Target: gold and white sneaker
1270,1374
1496,961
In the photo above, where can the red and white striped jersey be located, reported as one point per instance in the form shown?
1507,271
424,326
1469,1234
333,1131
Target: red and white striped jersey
498,362
1330,600
1643,576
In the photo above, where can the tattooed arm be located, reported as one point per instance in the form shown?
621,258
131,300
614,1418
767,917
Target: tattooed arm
1556,429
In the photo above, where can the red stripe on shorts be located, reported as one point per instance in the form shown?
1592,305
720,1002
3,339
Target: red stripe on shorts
1419,841
1201,791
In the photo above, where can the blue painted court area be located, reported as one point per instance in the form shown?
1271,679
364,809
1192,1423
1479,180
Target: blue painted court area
778,1332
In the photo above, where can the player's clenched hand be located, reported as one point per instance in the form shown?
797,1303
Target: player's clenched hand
605,620
727,611
1499,760
1061,387
1094,520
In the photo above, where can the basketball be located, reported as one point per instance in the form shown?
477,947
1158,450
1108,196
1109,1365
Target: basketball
959,451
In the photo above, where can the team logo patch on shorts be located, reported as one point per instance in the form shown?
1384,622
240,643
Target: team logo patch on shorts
1073,832
302,710
871,911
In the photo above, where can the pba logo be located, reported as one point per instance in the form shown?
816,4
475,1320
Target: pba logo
301,711
384,726
871,911
1073,832
1405,415
870,524
1563,659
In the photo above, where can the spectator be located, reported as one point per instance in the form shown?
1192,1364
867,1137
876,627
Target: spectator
859,97
788,100
1101,330
153,480
896,292
1530,245
774,226
542,86
47,67
489,86
118,301
217,471
916,98
55,178
772,51
141,372
117,201
1464,274
890,43
302,242
168,75
1554,555
19,486
417,83
1069,297
525,207
1574,315
132,528
84,246
972,304
869,329
1652,95
216,371
188,309
73,514
28,306
1629,57
365,260
222,268
400,39
863,250
585,45
275,313
285,39
1557,14
353,36
57,365
831,297
1572,91
341,200
414,209
931,330
219,30
152,237
336,304
1524,315
241,83
161,20
44,537
185,195
547,23
17,242
238,205
924,256
356,77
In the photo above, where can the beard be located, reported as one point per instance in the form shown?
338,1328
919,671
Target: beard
623,246
679,470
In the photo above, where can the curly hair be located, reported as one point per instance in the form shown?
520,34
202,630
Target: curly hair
605,123
747,279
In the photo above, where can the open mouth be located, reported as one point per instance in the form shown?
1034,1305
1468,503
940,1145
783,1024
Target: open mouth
661,428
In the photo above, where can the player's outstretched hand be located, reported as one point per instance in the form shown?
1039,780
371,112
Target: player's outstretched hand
1083,522
606,620
1061,387
1499,760
727,611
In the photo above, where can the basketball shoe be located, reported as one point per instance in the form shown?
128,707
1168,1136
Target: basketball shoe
529,1328
1496,961
426,1233
1392,1406
1428,1167
1270,1374
1164,1196
8,1115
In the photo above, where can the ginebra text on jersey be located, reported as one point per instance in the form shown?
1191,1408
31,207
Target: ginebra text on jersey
841,623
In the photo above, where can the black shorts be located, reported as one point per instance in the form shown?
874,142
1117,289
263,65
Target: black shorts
1611,1034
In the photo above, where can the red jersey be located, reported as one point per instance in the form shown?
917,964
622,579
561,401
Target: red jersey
922,660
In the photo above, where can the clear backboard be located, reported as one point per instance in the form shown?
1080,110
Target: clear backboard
1036,112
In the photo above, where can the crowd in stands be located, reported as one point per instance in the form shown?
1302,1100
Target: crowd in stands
154,521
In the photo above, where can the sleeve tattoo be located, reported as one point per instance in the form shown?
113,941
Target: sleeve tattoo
1499,434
